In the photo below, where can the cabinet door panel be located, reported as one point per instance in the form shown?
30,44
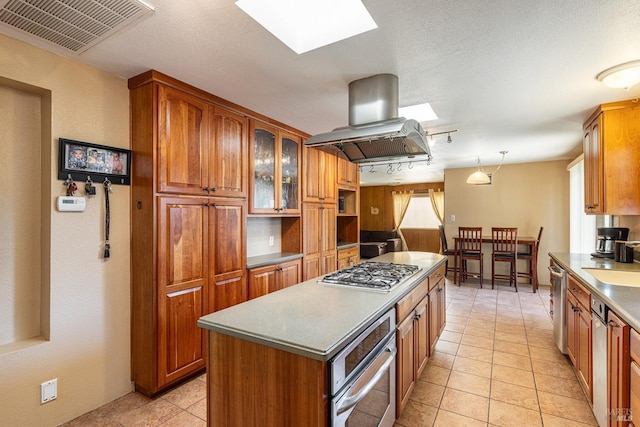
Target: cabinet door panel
406,361
290,274
422,335
182,343
182,143
263,170
312,177
618,369
635,389
311,229
584,367
433,319
228,238
290,174
262,281
182,244
228,153
226,293
570,313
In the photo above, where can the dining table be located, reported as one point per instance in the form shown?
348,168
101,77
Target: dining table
528,241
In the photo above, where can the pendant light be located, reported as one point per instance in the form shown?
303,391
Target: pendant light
480,177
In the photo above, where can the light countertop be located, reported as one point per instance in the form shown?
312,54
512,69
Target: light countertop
313,319
623,300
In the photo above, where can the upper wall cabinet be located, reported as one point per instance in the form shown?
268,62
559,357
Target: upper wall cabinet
274,171
347,174
202,148
611,158
320,176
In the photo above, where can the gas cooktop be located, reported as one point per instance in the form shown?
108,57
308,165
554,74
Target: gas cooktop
378,276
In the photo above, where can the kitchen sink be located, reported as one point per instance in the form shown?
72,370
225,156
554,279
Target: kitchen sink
615,277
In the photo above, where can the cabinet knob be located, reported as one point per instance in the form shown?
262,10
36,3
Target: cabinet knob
206,189
613,324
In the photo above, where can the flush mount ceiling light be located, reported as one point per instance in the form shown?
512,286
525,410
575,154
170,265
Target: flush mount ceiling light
418,112
480,177
304,25
621,76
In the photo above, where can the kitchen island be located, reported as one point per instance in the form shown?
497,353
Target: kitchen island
268,358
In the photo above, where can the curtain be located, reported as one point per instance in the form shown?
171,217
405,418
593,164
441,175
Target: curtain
437,201
401,201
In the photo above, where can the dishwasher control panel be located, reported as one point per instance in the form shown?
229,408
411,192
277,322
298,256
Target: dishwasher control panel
599,308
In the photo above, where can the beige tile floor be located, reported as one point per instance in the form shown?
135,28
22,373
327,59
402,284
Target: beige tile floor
495,365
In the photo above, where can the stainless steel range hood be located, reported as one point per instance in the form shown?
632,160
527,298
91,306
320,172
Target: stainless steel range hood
375,132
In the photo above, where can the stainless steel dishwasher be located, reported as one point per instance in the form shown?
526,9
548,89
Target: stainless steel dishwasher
559,299
599,313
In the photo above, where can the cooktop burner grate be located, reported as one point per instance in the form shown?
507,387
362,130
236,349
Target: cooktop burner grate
373,275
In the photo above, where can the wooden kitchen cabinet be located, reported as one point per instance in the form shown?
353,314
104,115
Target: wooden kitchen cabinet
271,278
618,367
319,239
188,222
348,174
634,375
348,257
202,149
275,172
611,147
412,338
579,341
320,183
437,306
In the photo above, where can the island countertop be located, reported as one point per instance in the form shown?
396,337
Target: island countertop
623,300
313,319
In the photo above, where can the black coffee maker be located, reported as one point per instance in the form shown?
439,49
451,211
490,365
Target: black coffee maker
606,241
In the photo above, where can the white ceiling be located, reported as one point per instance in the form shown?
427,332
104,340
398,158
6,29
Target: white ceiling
508,75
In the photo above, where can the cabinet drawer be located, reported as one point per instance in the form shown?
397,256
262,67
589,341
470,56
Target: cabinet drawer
406,305
349,252
580,292
437,275
634,346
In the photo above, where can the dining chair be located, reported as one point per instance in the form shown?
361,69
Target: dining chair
470,247
504,242
531,259
444,250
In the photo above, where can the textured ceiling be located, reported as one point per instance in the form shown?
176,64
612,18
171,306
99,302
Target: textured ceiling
508,75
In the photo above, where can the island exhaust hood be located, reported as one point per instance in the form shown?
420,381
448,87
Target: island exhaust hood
375,132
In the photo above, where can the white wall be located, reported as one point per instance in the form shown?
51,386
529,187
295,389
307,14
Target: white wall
526,195
84,340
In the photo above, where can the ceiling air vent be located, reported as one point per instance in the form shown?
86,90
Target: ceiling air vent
73,25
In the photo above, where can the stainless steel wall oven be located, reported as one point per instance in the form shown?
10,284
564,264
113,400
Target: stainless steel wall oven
363,377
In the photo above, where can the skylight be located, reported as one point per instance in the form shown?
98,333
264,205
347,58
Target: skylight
304,25
418,112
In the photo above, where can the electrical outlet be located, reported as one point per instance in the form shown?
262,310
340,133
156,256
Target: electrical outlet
48,391
272,241
453,218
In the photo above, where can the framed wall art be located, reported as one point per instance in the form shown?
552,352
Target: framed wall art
82,159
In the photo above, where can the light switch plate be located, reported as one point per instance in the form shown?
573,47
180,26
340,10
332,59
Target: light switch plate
48,391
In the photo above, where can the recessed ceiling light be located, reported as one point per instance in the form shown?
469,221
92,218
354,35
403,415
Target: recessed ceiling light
621,76
419,112
304,25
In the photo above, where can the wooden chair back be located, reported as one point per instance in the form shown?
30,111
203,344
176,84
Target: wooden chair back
504,240
470,239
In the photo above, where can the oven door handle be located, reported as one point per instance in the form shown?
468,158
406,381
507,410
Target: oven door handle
361,390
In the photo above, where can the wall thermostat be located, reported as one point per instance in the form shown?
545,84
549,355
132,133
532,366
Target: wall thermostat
71,204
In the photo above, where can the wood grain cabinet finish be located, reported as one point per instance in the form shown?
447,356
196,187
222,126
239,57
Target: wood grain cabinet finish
320,243
348,257
188,222
202,148
348,177
437,307
320,172
634,375
618,367
275,170
579,341
412,340
611,155
271,278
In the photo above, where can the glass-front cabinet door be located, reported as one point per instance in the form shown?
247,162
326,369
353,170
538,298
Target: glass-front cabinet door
275,188
290,176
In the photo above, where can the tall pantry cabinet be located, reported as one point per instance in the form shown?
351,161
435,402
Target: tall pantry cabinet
188,225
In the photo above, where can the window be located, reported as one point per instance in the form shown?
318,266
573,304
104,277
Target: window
420,213
582,228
